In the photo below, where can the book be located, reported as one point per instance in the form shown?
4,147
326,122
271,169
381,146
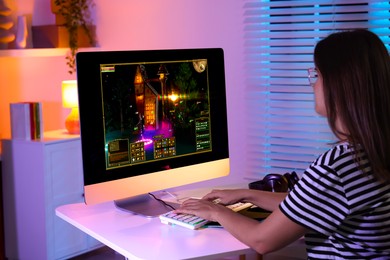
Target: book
26,120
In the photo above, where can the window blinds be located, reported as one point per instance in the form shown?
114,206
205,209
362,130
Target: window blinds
283,131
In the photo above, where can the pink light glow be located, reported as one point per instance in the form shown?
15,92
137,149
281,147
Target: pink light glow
146,141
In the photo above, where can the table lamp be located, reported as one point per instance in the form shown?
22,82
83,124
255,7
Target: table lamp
70,100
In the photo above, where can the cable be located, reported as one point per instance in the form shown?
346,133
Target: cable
160,200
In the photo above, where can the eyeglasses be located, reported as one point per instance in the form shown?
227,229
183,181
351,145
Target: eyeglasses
312,75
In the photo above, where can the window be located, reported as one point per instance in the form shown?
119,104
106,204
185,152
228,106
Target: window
284,133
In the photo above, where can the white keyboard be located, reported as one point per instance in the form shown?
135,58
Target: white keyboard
194,222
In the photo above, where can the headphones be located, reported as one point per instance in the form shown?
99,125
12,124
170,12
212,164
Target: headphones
276,182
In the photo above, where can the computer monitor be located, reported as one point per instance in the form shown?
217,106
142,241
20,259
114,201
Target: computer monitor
150,120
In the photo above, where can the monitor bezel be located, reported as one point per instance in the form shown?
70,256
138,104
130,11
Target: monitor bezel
91,118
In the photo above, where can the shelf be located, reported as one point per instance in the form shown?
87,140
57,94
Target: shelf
39,52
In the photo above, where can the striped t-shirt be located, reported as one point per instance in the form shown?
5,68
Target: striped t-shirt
347,211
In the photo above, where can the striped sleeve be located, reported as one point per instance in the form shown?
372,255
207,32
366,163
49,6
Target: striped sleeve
346,209
318,200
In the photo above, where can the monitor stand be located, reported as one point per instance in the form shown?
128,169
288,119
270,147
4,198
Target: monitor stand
144,205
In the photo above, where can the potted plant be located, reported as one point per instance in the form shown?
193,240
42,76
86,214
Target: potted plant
75,17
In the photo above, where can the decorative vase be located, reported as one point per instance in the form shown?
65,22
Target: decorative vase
21,32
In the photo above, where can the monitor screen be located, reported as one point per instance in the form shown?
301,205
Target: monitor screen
150,120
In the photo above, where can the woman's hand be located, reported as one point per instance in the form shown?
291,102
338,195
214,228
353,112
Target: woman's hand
262,236
263,199
203,208
226,197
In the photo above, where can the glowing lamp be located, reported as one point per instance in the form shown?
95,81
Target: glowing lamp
173,97
70,100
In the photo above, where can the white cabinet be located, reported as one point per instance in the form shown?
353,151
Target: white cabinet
39,176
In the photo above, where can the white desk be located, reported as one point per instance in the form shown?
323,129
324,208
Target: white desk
137,237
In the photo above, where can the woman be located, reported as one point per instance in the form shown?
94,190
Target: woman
342,202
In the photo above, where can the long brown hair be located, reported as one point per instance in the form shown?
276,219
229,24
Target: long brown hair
355,67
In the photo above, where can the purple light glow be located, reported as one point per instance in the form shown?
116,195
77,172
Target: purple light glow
146,141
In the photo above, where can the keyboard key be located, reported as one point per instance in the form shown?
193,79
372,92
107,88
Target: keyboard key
195,222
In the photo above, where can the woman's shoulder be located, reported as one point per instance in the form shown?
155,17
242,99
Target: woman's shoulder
339,152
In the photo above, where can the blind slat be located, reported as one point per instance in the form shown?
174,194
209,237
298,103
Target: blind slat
284,133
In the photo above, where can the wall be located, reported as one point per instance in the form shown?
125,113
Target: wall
36,75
